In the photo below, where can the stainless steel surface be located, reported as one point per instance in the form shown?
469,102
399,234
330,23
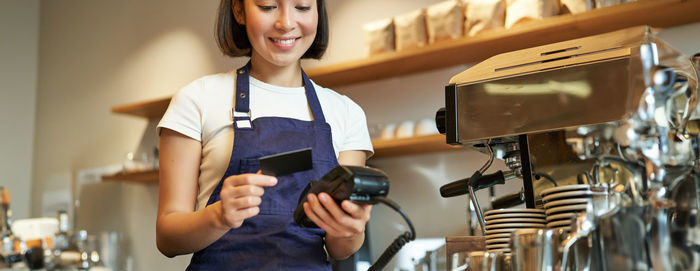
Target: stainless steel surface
554,91
622,233
536,250
578,257
535,90
486,261
568,98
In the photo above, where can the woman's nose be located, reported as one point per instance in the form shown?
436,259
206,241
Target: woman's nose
285,20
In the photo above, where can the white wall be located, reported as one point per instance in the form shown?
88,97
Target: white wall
98,54
19,35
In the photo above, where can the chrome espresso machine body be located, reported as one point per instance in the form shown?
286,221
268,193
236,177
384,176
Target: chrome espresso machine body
617,110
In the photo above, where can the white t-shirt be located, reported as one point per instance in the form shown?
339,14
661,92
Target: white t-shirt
202,110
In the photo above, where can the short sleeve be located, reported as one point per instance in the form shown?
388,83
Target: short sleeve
356,133
184,114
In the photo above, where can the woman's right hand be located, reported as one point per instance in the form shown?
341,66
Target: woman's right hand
240,197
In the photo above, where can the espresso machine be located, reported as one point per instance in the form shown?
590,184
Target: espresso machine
616,110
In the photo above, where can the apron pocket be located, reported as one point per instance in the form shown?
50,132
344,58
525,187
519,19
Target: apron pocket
251,165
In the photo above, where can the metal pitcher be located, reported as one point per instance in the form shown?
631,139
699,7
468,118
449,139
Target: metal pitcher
487,261
536,249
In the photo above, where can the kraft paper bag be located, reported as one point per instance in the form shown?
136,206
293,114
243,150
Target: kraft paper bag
410,30
379,36
445,20
520,11
484,15
575,6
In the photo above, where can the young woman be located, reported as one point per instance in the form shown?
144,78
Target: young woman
213,200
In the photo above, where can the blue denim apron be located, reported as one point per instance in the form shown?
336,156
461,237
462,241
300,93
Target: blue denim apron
271,240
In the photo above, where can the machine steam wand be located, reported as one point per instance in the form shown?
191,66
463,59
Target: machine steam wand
474,179
479,181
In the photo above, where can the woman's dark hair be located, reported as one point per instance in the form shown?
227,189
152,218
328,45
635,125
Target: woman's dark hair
232,37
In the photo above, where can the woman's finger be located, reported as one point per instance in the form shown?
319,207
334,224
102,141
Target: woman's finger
357,211
318,221
342,219
331,206
353,209
250,179
248,212
247,190
320,212
245,202
235,217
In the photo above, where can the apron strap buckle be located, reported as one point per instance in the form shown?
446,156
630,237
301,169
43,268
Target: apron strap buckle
235,114
241,120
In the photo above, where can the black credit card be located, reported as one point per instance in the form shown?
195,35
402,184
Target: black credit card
286,162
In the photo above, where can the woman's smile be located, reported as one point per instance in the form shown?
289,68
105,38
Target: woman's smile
284,43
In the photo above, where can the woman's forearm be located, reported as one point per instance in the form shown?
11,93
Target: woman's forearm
180,233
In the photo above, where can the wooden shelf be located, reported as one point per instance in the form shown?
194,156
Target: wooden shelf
152,110
149,176
412,145
382,149
657,13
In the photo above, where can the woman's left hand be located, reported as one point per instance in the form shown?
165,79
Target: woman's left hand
344,221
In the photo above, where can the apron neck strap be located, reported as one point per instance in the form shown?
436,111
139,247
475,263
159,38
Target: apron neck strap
243,93
312,99
242,89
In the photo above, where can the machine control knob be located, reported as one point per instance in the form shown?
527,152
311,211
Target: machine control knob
440,120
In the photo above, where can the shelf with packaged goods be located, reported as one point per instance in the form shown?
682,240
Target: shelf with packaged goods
382,149
657,13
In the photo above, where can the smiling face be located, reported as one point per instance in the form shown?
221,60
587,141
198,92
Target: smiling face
280,31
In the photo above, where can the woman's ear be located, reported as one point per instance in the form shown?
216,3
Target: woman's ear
238,11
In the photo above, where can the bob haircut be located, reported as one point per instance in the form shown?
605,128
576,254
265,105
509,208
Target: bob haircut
232,37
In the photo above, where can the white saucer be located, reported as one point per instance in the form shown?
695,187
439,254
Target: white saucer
562,188
514,225
570,216
558,224
506,230
514,215
561,202
496,246
515,220
510,211
497,235
497,241
568,208
571,194
499,231
561,216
